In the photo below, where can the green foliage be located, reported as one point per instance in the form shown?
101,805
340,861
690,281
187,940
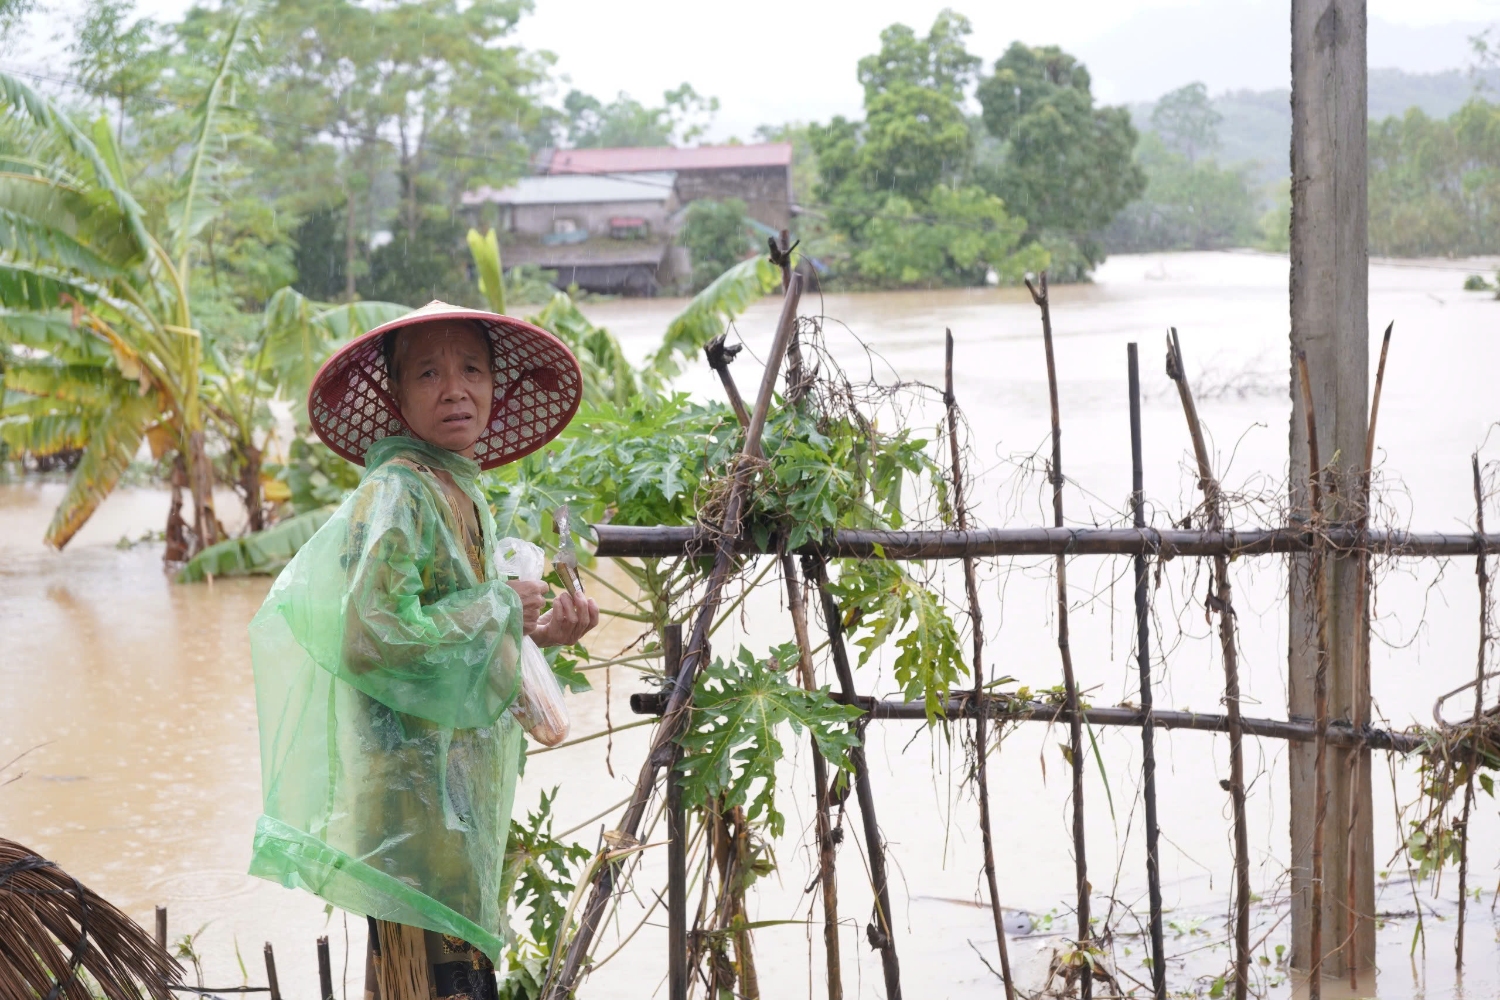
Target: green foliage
643,462
683,117
319,259
1435,185
486,253
906,204
607,374
962,233
881,601
1186,205
884,601
422,263
1479,283
1186,121
709,313
261,553
716,238
1063,163
540,875
315,477
940,62
731,744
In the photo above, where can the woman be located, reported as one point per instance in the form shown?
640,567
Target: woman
387,653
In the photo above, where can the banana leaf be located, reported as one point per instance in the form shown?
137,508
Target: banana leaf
263,553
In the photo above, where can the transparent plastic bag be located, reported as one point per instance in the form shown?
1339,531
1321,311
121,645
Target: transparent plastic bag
539,707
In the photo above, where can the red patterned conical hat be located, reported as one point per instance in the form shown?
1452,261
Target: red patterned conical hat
538,386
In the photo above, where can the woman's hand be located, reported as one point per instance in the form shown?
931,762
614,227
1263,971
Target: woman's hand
567,622
530,592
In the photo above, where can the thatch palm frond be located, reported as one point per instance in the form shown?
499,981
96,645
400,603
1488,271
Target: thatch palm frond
53,930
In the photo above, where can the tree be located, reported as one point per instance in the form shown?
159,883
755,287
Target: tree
683,117
1434,184
1064,164
716,238
897,186
1187,122
115,59
1186,205
939,62
914,137
80,255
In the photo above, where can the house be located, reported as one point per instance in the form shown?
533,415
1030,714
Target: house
760,174
607,219
602,233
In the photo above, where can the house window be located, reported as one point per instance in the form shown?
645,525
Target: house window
629,227
561,226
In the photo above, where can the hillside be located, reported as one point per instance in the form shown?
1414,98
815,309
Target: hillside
1257,125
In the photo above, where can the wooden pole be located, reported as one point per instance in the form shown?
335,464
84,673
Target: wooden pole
161,927
271,980
678,973
880,931
1329,311
1359,762
1482,572
325,970
1321,624
827,873
694,654
961,705
1212,499
976,619
1143,663
1075,728
719,359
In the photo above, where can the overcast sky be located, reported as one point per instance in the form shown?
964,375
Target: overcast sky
776,63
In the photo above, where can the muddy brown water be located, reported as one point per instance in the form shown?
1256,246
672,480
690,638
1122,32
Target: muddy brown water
131,697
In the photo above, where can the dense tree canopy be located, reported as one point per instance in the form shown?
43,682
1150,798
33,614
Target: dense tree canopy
682,118
1064,164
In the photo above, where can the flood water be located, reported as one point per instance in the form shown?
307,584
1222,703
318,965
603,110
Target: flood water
132,699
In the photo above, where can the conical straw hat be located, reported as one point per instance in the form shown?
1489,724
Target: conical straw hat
538,386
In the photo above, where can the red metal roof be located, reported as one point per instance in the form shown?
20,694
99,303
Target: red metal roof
642,158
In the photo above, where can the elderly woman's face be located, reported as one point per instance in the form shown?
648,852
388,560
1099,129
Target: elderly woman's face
443,384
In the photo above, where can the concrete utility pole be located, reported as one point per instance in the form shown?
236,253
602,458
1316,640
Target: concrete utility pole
1330,322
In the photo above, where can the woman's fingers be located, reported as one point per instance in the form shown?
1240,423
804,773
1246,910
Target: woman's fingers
568,620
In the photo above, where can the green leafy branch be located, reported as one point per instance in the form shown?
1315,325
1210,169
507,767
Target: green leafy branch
731,747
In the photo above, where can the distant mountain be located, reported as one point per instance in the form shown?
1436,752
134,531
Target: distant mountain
1257,125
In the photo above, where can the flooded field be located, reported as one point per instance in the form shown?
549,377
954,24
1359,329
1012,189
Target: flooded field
132,696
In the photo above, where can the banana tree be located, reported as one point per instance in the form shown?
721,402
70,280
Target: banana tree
295,335
99,303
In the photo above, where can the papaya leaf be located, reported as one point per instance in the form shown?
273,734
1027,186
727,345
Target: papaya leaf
732,745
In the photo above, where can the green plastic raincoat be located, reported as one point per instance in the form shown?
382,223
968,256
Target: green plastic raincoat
384,665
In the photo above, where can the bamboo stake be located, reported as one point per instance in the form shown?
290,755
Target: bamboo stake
962,705
719,359
629,541
1361,661
161,926
881,931
1482,571
1212,497
1320,691
678,973
981,741
271,981
1075,729
827,875
1143,658
693,656
325,970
